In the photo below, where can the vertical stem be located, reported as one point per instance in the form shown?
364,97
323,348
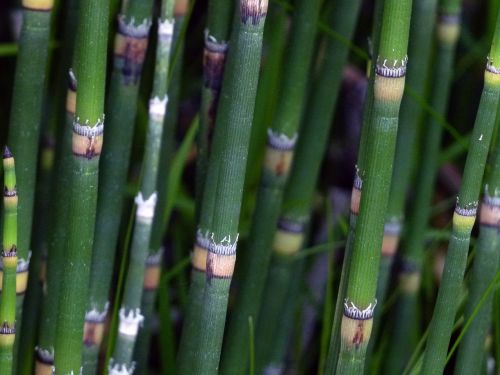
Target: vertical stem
215,251
87,129
9,265
130,314
405,337
419,51
464,217
51,286
282,137
131,42
24,126
388,87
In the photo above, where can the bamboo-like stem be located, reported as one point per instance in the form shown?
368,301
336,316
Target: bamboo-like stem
464,217
275,37
282,137
335,337
131,42
299,192
9,266
51,267
51,285
24,126
419,51
87,129
160,221
130,312
404,337
471,353
169,131
214,56
215,251
388,86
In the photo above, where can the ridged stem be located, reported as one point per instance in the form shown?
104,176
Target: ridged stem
405,335
90,67
282,137
24,126
299,192
59,216
464,217
130,45
9,266
130,314
375,175
215,251
419,51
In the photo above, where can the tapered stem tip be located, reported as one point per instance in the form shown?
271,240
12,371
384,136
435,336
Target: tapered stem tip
6,153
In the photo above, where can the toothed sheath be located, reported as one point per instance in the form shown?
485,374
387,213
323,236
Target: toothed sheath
90,69
131,317
441,326
8,265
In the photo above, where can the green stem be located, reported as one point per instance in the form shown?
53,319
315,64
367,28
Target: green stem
88,126
375,173
130,312
464,217
215,253
282,136
9,266
404,335
131,42
24,126
214,56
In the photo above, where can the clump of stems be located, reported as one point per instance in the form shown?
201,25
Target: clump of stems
87,130
130,312
9,266
24,126
214,59
51,285
441,325
471,353
388,86
404,330
131,42
419,51
215,250
282,137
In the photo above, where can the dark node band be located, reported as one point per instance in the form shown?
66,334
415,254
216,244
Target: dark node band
391,69
9,193
353,312
289,225
253,11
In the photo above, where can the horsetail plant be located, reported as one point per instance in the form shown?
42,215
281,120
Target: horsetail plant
9,266
214,56
282,137
299,192
24,126
51,285
88,125
419,51
404,335
441,325
130,312
215,249
130,45
388,87
471,352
